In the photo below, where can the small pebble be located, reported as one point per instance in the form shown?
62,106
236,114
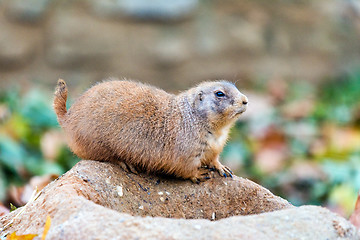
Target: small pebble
119,190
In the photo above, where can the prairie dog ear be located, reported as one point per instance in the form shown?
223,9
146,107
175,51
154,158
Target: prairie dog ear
201,95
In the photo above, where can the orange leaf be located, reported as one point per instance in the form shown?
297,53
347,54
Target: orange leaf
13,236
355,217
47,227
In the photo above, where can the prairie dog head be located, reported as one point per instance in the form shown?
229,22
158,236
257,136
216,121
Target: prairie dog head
220,102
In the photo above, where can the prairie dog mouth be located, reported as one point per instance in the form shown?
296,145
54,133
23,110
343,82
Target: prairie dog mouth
240,111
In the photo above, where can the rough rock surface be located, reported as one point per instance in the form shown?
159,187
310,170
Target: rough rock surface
307,222
81,204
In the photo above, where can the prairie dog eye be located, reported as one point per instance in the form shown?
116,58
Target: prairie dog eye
220,94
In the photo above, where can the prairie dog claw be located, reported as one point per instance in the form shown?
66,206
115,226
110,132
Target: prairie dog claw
201,176
224,171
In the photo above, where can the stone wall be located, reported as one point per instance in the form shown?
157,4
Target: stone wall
174,45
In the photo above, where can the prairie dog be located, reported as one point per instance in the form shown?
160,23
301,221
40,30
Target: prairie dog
150,129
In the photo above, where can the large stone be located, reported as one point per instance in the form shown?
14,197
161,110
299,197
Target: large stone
29,11
142,9
77,41
307,222
18,46
108,185
97,200
148,195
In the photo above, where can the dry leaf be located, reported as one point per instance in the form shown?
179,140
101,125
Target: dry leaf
298,109
355,217
3,210
270,160
47,227
21,195
4,112
15,194
51,143
278,88
261,106
36,182
34,196
13,236
318,147
342,139
305,169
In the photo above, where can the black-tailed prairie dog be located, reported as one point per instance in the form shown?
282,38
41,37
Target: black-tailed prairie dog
152,130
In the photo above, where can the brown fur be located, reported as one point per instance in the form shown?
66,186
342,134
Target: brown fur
151,129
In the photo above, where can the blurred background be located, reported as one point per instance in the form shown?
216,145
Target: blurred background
297,61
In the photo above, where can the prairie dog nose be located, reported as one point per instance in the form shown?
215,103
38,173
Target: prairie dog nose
244,99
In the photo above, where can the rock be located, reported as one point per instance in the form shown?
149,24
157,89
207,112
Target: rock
247,35
170,51
143,9
16,50
77,41
29,11
97,200
108,185
298,223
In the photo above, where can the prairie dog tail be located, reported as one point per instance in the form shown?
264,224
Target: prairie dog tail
60,100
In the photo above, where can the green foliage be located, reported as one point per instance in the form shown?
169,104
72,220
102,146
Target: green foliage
37,110
12,207
339,99
22,130
11,154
